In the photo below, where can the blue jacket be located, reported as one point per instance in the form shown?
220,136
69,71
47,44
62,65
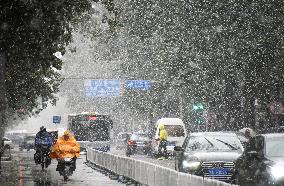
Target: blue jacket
43,138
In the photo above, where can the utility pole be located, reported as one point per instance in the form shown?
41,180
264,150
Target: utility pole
2,93
2,102
180,105
256,110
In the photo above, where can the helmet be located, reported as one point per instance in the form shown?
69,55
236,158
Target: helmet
162,126
66,133
248,132
42,128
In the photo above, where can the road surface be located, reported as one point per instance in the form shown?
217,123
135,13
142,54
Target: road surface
24,171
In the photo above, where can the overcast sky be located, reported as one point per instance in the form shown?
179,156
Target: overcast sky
45,118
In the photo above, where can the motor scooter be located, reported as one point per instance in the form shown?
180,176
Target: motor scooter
42,156
66,166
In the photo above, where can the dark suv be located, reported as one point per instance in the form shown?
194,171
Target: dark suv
137,142
262,162
209,154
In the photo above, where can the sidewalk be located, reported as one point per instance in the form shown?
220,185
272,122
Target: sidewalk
9,173
22,171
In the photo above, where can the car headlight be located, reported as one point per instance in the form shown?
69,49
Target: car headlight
277,172
67,159
190,165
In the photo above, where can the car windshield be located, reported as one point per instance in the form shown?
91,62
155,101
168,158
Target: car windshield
275,147
213,143
139,137
174,130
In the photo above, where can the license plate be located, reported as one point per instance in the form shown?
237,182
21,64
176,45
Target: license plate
218,171
171,143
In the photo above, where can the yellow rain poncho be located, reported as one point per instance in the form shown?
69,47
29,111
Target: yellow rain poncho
65,147
163,133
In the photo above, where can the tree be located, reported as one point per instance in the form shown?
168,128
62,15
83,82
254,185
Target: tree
239,44
31,31
224,49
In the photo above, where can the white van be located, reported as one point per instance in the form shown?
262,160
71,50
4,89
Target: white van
176,133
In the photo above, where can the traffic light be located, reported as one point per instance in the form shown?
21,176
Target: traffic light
199,120
198,107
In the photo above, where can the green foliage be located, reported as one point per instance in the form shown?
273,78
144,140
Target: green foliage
31,32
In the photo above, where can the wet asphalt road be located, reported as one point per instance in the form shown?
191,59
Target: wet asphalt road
24,172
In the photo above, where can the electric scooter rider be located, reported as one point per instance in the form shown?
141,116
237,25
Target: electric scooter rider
43,143
65,147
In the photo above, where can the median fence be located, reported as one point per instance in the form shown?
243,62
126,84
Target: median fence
95,144
146,173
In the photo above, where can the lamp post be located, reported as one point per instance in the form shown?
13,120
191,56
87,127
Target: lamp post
256,110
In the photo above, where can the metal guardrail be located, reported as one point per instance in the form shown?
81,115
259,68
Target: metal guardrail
145,172
99,145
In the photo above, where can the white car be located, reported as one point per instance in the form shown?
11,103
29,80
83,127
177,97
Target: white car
8,142
176,134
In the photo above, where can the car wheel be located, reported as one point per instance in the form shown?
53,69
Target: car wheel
128,152
149,153
176,165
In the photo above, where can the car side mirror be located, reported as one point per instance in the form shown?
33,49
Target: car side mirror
178,148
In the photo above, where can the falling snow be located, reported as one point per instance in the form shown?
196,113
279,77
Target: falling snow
216,65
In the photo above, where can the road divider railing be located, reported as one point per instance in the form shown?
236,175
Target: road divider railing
146,173
99,145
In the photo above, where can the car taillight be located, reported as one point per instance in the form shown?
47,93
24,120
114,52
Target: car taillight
130,142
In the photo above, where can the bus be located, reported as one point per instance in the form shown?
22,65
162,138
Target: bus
91,130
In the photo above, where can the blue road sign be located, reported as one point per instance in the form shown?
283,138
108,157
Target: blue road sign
102,88
138,84
56,119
